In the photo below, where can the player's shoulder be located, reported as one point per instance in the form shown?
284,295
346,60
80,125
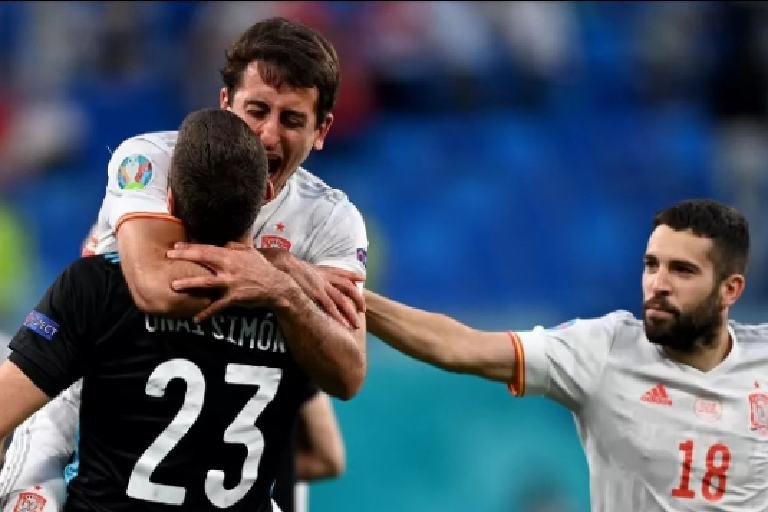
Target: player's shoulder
141,159
615,320
751,335
104,265
624,319
310,187
161,141
96,277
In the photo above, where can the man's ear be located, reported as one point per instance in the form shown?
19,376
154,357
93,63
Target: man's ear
732,288
224,100
322,131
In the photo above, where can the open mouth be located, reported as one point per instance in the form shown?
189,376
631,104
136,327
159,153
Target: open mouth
274,163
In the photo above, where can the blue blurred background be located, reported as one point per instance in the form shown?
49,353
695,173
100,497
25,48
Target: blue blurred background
507,157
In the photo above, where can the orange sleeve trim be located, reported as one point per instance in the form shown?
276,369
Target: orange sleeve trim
517,385
145,215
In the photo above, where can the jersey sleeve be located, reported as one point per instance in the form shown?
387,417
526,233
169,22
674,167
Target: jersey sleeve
49,346
137,181
343,241
39,451
564,363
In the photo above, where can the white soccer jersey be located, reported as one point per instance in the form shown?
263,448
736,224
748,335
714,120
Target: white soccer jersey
658,435
314,221
33,473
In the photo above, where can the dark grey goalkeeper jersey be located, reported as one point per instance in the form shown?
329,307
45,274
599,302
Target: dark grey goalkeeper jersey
175,415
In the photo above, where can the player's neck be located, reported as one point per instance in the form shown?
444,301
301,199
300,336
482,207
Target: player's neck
707,356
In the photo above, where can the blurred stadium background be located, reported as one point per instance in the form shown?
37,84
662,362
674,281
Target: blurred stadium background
507,157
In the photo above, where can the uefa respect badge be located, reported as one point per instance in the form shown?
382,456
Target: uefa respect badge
41,324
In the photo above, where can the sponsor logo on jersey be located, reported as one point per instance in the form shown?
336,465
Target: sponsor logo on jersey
134,173
362,256
758,412
275,242
657,395
41,324
708,410
30,502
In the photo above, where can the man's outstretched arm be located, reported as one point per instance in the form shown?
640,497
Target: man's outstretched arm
440,340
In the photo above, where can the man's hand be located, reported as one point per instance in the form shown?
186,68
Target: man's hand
333,289
242,274
329,352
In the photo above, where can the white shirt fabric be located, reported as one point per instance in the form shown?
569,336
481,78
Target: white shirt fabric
658,435
314,221
4,350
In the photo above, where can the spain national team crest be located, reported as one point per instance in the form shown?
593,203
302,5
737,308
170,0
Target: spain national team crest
135,173
29,502
758,412
275,242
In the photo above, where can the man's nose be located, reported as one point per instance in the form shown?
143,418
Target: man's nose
268,132
660,281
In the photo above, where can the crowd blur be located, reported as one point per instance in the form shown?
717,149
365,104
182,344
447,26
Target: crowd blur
507,156
547,132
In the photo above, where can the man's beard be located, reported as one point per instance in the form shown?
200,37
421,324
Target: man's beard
684,331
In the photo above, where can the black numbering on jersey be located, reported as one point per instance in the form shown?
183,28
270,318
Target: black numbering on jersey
240,431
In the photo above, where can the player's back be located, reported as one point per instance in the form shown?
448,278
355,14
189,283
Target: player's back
176,413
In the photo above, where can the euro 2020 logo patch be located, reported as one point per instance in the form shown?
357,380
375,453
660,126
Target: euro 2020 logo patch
134,173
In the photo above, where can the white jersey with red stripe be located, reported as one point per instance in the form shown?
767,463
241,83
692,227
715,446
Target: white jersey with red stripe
313,221
658,435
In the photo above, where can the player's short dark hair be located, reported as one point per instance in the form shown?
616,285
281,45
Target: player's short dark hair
218,174
727,228
289,53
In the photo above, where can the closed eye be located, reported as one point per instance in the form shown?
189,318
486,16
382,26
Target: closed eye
294,119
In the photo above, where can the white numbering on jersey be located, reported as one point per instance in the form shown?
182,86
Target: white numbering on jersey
241,431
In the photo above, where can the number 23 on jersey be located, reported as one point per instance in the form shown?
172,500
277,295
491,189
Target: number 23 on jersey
242,430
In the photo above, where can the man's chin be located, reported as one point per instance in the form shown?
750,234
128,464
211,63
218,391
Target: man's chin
658,331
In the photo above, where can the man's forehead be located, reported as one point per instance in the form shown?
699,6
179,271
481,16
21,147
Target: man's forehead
253,88
668,243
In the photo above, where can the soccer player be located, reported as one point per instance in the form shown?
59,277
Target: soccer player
282,78
177,413
672,409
